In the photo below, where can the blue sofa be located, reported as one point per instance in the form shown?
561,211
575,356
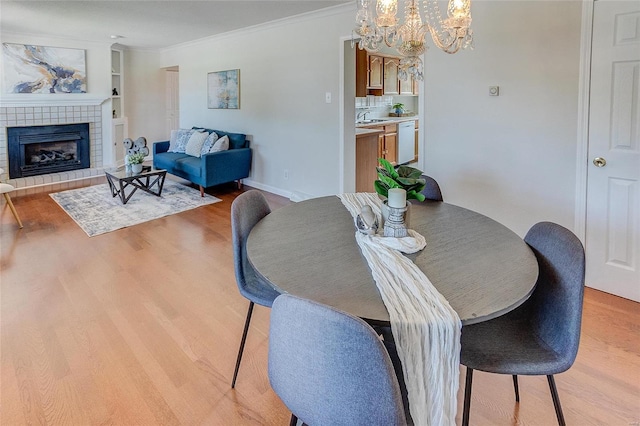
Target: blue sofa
210,169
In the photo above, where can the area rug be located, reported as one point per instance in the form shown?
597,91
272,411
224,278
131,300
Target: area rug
97,212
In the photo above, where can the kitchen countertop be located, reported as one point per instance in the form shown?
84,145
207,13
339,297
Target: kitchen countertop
386,120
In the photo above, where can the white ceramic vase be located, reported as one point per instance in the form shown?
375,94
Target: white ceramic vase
136,168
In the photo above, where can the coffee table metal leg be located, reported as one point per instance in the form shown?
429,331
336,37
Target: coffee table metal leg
122,197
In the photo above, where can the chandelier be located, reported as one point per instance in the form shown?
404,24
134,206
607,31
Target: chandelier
379,24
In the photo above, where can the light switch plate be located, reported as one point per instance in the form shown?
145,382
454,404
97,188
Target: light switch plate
327,97
494,90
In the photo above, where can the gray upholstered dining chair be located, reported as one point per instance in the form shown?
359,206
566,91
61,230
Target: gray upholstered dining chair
247,210
431,190
330,368
541,336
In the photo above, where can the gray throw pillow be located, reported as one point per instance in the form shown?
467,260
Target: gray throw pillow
182,138
208,143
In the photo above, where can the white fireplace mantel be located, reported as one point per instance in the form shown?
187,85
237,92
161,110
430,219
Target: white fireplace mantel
30,100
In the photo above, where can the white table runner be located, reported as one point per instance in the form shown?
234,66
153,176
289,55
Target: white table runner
425,327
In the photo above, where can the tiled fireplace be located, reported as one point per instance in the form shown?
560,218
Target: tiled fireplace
52,115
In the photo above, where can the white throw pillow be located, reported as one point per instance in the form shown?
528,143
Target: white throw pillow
182,137
194,145
208,143
221,144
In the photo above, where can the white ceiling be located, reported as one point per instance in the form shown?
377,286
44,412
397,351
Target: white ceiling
145,24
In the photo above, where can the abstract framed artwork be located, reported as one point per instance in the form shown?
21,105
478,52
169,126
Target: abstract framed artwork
43,69
223,89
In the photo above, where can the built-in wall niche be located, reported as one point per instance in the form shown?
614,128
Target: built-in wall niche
117,83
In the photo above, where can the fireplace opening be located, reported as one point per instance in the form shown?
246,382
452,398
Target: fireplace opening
37,150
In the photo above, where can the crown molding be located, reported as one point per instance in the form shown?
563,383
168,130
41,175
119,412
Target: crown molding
303,17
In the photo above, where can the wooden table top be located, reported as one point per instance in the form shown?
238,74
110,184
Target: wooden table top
309,249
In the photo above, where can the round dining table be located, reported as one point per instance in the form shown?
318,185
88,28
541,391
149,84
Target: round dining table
309,249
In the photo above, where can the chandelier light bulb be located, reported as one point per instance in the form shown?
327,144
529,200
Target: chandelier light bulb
386,11
459,9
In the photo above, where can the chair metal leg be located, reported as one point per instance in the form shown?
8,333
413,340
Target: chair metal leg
556,400
13,209
467,397
294,420
515,387
244,338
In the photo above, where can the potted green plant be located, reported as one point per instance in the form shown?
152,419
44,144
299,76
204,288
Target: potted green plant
398,108
405,177
136,161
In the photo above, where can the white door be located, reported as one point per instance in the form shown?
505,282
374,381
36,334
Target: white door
172,101
613,189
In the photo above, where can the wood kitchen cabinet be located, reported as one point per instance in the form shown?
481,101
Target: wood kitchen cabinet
407,86
391,82
366,161
373,143
376,73
369,74
388,143
362,73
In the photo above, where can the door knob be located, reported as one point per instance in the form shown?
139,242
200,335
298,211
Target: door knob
599,162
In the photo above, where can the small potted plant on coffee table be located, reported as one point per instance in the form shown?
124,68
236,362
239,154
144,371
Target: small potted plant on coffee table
136,160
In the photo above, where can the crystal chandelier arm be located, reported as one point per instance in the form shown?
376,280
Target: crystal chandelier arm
454,32
446,43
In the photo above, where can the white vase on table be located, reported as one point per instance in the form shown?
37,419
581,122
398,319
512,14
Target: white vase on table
136,168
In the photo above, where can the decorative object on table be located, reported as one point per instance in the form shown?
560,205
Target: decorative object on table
131,147
366,221
113,114
136,160
404,177
43,69
377,23
223,89
396,203
97,212
114,92
398,108
426,331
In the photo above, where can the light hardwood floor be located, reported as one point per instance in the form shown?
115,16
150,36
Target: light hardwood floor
141,326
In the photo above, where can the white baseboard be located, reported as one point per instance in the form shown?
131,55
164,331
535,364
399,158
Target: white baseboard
268,188
294,196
